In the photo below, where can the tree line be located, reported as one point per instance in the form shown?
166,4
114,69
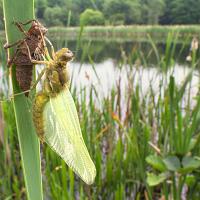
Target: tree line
115,12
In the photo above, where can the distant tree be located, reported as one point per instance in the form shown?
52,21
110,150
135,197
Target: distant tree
144,11
98,4
77,7
40,8
82,5
54,3
166,18
131,10
152,10
117,19
55,16
181,12
92,17
55,12
155,9
185,11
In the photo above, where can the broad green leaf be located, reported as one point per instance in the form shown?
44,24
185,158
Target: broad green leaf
189,164
156,162
20,10
153,179
172,163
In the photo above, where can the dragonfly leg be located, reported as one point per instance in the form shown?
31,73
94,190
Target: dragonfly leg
28,22
52,48
7,46
38,79
46,52
41,62
11,61
19,26
35,61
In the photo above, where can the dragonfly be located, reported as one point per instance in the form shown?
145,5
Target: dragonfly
55,115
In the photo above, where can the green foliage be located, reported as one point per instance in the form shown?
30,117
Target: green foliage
129,10
92,17
172,163
1,15
55,16
117,19
156,162
153,150
179,158
117,12
185,12
40,8
53,3
181,12
153,179
52,15
154,11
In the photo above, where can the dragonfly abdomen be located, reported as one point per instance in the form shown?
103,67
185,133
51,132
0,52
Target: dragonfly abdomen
40,101
32,46
24,77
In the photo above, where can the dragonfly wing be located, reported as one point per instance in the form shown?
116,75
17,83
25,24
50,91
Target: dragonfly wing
62,132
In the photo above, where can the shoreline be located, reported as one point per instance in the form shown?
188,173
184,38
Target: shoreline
121,33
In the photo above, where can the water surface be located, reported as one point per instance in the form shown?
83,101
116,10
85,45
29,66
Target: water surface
106,64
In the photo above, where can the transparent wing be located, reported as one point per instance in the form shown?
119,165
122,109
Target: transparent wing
62,132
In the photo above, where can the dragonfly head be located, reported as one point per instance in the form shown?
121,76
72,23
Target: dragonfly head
64,55
37,29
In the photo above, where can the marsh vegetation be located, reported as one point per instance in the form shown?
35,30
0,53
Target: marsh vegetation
136,90
138,105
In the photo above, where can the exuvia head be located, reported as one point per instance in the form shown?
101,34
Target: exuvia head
38,28
64,55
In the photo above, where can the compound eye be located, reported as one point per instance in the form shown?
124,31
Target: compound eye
63,58
69,54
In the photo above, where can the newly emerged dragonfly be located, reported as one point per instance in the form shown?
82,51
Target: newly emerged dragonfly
55,116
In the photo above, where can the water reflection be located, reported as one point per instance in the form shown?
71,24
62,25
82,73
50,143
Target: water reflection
107,60
107,76
99,51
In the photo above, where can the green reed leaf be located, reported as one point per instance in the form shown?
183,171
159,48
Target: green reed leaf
29,144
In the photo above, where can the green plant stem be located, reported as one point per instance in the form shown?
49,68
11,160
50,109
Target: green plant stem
181,184
174,187
165,190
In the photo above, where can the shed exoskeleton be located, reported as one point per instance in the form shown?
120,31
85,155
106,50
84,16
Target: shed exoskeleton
34,40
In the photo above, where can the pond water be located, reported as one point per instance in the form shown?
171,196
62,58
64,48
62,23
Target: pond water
102,65
107,76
